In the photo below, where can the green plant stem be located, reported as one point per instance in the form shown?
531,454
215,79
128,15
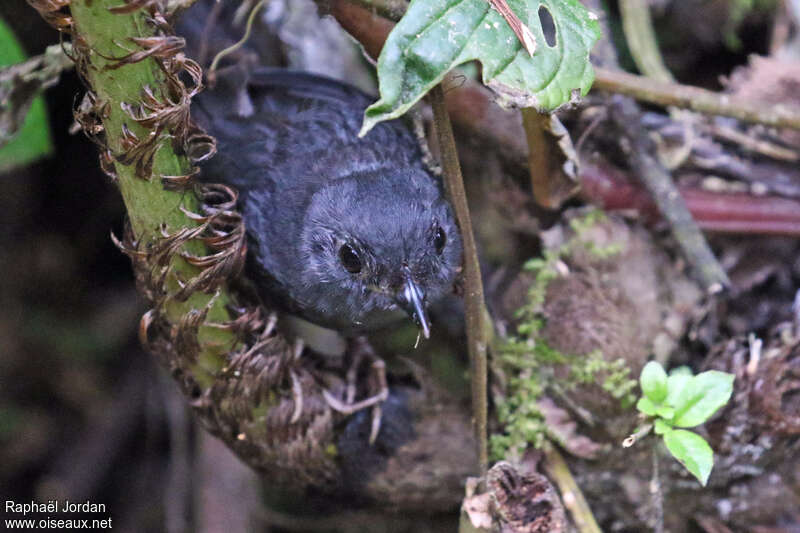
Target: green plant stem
150,208
700,100
638,27
571,494
636,437
478,331
212,70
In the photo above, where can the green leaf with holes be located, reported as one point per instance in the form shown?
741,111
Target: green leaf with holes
435,36
692,451
32,141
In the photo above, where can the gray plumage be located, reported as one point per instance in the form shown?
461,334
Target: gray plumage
341,231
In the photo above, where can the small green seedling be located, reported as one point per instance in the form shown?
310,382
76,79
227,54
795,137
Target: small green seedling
682,400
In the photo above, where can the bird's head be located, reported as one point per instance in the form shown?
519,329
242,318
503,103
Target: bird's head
377,243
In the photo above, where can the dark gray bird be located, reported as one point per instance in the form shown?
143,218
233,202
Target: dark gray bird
342,231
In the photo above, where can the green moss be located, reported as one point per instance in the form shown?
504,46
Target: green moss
529,364
582,226
527,360
546,268
590,219
614,375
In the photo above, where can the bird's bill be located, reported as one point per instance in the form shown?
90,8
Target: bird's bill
411,298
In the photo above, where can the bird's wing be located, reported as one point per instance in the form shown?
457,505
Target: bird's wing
326,115
279,121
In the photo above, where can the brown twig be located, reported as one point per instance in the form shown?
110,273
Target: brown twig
696,99
538,162
658,182
552,162
477,331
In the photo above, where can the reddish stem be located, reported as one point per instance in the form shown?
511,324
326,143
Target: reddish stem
610,188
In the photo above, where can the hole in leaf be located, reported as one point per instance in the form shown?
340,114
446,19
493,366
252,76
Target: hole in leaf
548,26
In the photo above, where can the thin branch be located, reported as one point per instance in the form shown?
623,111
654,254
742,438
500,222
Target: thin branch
478,336
558,471
696,99
539,164
658,182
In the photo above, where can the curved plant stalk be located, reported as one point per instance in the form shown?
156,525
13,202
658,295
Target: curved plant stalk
212,70
638,27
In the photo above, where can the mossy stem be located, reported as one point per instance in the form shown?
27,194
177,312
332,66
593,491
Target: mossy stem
151,209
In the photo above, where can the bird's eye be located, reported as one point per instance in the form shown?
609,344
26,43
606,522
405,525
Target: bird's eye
439,239
350,259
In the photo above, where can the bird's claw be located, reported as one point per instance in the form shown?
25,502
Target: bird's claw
349,406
